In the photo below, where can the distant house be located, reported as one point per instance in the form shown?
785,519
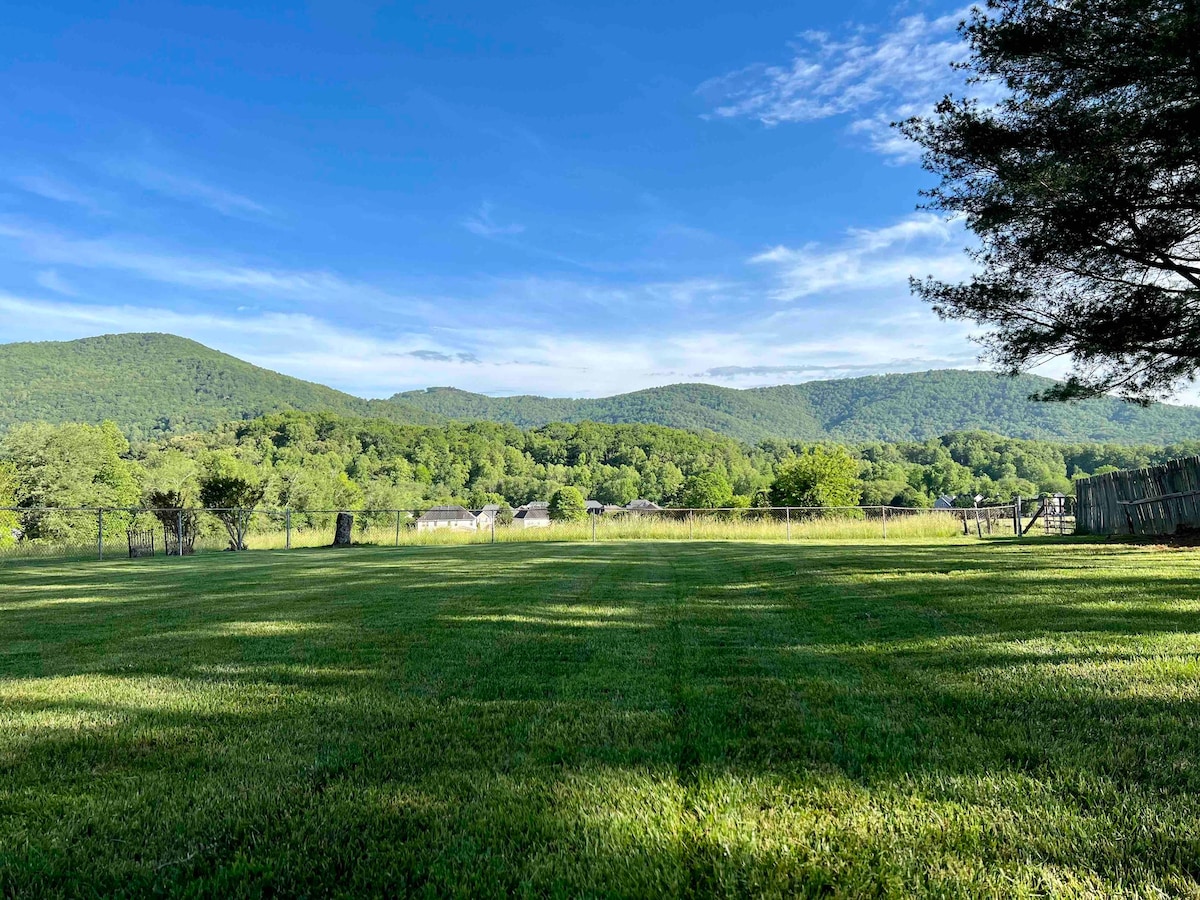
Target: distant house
532,515
458,517
486,516
641,505
946,501
594,507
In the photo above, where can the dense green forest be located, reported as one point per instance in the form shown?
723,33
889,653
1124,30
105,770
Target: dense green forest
880,407
156,384
329,461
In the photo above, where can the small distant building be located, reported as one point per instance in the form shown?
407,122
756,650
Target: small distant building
641,505
945,501
457,517
486,516
532,515
594,507
611,509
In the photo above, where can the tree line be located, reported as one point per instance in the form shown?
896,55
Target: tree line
320,461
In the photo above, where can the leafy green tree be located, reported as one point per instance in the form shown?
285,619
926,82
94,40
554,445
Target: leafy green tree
567,505
71,465
818,476
232,489
9,523
617,491
1082,188
709,490
8,484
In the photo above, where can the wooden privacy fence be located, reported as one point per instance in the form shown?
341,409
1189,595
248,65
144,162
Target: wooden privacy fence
1156,500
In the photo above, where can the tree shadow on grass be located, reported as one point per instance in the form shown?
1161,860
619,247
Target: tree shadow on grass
633,719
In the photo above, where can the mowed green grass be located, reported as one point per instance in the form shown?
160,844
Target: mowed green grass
620,719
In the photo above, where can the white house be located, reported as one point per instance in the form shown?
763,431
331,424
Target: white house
457,517
532,515
486,516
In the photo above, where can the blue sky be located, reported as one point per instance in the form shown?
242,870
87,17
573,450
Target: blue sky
567,200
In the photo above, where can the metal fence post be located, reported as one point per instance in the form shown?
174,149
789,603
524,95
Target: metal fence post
287,521
493,525
593,526
1017,524
178,532
691,525
397,528
100,533
788,530
883,515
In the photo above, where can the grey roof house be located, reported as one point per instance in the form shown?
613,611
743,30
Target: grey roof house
486,516
532,515
447,517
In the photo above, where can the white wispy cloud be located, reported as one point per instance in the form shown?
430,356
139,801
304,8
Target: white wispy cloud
181,186
482,223
874,78
52,281
133,258
51,187
920,245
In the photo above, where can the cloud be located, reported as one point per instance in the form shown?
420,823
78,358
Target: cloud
438,356
123,256
51,188
801,372
482,224
876,78
508,359
922,244
183,187
52,281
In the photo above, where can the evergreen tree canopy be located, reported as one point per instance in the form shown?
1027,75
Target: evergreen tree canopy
1083,188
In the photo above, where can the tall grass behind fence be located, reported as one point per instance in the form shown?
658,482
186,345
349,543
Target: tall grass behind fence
91,533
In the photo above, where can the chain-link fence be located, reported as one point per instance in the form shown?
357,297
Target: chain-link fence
111,533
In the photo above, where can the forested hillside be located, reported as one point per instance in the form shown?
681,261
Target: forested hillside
158,384
880,407
154,384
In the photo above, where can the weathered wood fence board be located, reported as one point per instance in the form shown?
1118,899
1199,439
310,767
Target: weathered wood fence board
1156,500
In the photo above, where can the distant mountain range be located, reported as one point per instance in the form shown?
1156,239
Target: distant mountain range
152,384
879,407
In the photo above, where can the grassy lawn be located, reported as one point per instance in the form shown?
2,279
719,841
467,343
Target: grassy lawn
641,718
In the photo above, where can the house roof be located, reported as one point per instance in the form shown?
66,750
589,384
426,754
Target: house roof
593,504
491,508
642,504
447,514
532,512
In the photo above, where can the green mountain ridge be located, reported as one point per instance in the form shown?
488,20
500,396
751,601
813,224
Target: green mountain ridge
156,384
913,406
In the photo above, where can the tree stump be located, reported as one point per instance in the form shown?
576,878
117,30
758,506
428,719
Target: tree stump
341,536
